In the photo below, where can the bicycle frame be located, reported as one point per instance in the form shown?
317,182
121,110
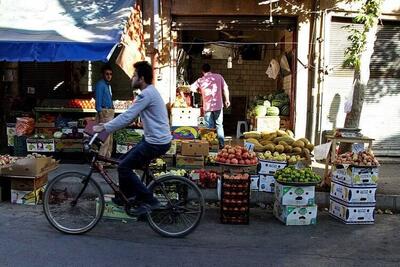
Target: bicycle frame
147,176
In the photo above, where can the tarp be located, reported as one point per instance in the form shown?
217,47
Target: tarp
61,30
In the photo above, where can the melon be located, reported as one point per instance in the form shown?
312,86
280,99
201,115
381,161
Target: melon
267,103
278,103
260,110
272,111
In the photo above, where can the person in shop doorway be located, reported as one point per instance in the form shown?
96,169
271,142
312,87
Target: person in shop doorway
156,142
215,94
104,106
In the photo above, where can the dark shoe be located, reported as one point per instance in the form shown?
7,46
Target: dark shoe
141,210
154,204
118,201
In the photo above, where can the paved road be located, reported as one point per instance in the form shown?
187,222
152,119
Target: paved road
26,239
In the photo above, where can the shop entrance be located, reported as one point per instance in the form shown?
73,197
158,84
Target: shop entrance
242,49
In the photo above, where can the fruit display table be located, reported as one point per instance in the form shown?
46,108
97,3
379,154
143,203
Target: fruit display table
337,140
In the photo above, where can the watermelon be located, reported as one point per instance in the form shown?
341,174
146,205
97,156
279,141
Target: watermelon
285,110
272,111
278,103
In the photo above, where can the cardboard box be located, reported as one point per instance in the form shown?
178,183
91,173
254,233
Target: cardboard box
355,175
40,145
185,133
69,145
353,194
29,166
351,214
295,195
295,215
268,123
185,116
113,211
194,148
267,183
169,160
189,161
254,182
27,197
270,166
24,184
201,122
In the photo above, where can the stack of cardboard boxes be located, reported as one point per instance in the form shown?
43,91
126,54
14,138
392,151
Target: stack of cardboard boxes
352,196
295,205
28,178
264,181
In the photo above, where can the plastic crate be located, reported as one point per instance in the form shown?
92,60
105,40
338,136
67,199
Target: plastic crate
235,201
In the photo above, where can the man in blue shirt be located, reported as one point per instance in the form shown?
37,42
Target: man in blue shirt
104,106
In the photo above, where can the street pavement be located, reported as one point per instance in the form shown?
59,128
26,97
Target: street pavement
26,239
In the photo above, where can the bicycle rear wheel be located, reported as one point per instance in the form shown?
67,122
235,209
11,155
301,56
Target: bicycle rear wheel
182,206
65,211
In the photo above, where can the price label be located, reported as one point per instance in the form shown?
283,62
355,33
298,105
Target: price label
249,146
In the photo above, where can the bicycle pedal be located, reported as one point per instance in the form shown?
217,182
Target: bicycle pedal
137,212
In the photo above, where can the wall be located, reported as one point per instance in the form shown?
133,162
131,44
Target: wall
248,79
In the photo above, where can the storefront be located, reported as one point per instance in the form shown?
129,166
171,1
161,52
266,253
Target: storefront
49,70
242,49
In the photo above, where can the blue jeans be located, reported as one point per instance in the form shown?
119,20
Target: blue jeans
214,119
136,158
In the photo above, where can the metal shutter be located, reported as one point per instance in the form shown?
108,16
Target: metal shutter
381,112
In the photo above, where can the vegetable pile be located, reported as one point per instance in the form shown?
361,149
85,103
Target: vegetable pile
7,159
127,136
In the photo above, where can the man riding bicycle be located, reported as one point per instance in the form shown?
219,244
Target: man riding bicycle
156,142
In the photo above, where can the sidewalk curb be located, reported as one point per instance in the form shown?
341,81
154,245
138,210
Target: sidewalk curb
391,202
383,201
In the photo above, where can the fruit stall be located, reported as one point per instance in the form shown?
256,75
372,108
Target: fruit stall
23,179
57,127
275,163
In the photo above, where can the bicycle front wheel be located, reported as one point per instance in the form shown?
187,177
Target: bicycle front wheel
182,206
72,204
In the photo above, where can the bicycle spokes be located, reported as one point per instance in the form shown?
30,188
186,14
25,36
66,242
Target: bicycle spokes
182,205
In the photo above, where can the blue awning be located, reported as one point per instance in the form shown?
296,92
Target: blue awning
61,30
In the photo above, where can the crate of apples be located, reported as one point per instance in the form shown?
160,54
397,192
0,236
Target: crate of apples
236,155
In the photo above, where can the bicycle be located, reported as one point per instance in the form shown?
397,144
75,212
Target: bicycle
73,202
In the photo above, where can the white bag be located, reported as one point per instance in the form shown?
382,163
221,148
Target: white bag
321,151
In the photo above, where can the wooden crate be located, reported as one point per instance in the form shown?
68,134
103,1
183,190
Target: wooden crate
24,184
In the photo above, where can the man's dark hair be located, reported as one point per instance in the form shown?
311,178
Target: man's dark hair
206,67
105,67
144,69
